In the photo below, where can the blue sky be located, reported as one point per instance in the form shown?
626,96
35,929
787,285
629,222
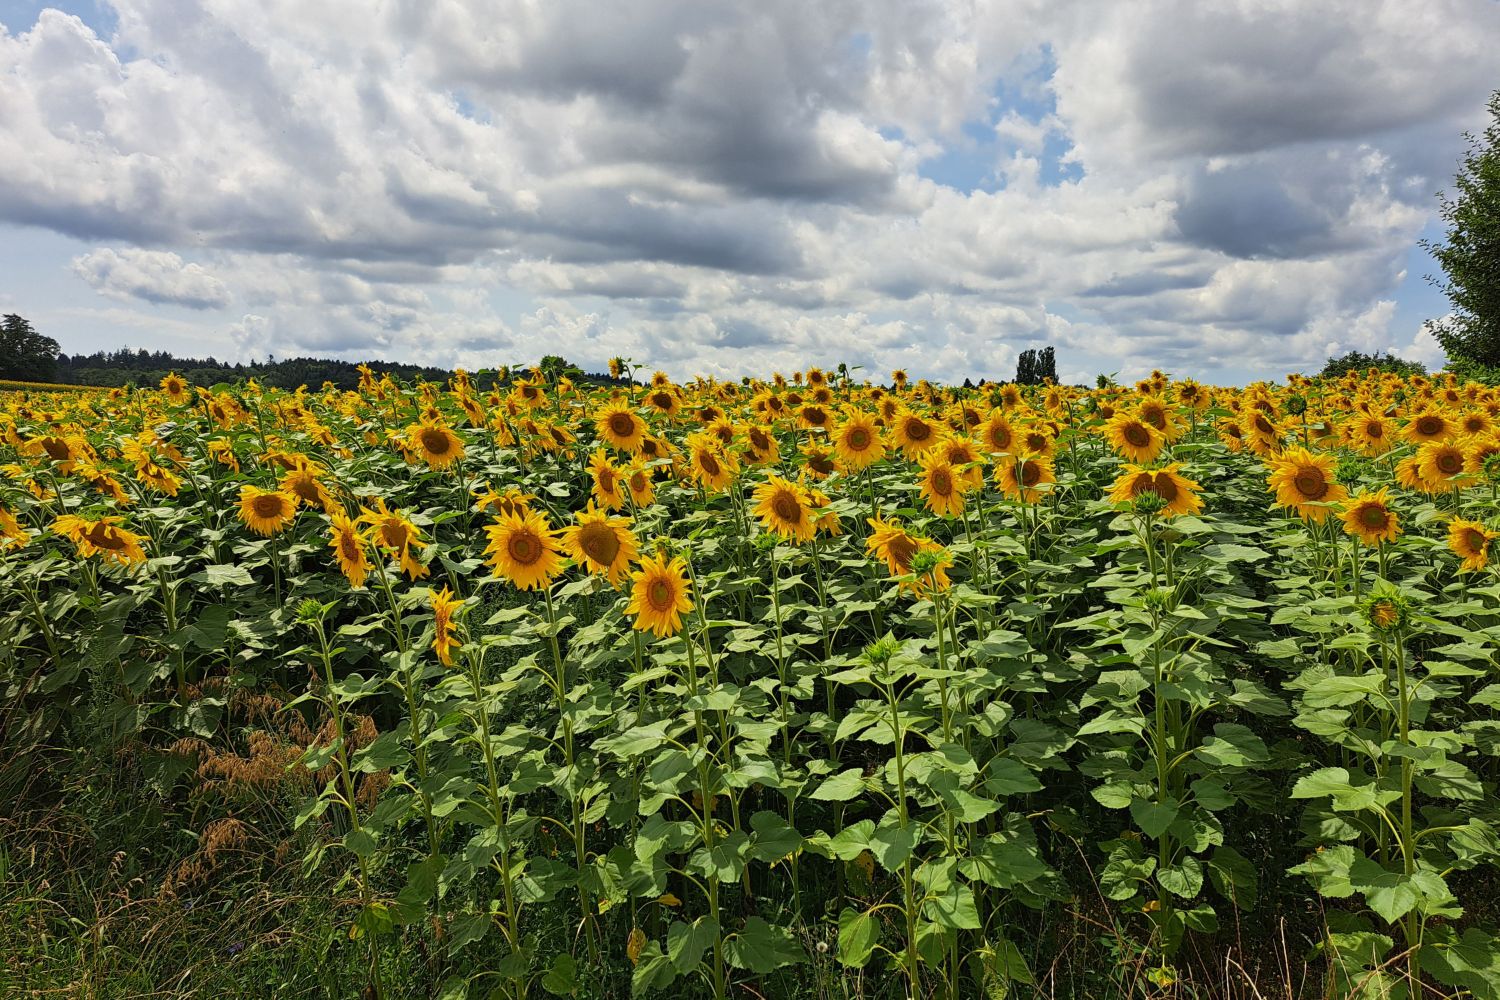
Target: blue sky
1232,193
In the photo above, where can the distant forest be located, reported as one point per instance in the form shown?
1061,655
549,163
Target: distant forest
145,367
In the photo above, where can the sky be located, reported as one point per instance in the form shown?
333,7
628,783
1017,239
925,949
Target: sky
1231,191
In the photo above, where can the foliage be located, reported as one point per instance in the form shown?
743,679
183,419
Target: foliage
1357,363
1035,367
1470,250
25,354
796,688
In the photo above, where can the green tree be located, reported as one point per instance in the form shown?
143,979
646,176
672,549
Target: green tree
1470,252
1358,361
26,355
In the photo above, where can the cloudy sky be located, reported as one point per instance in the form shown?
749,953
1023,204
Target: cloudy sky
1231,190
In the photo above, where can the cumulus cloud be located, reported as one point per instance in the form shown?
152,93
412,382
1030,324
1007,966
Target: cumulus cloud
152,275
726,187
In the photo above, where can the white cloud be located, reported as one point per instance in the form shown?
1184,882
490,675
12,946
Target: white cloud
724,188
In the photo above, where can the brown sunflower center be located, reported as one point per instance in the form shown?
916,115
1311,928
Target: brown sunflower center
1429,426
1450,462
435,441
661,400
710,464
858,439
1473,541
918,430
820,463
349,545
1155,417
1374,517
102,536
942,482
661,595
306,487
621,424
815,415
1029,474
268,505
786,507
637,481
1310,484
524,547
1162,485
393,532
606,480
599,542
1136,436
57,449
902,549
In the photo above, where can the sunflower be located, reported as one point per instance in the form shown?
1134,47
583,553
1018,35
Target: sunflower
1305,482
443,638
222,451
659,595
1440,467
609,487
762,445
1428,425
1261,433
642,487
1156,413
665,400
898,548
396,535
303,483
1371,434
824,518
512,501
1369,518
710,465
1178,493
782,507
1134,438
857,441
348,545
1231,434
1022,477
913,433
523,549
820,462
104,538
175,388
601,544
12,535
1470,541
435,443
997,436
266,512
620,427
941,486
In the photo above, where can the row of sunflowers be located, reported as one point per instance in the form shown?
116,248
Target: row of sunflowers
700,683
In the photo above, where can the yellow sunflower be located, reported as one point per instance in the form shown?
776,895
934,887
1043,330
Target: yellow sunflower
1441,465
711,467
1371,434
762,445
444,637
897,548
819,462
1134,438
660,595
436,443
601,544
1470,541
1428,425
12,535
266,512
1369,518
997,436
175,388
609,488
620,427
857,441
1305,483
104,538
1024,477
782,507
523,549
940,485
396,535
913,433
1178,493
304,483
642,487
348,545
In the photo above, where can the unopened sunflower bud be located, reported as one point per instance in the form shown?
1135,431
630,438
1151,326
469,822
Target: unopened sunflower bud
881,650
925,562
1386,610
1296,404
1148,503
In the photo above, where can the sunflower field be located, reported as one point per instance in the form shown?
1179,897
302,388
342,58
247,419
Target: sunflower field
795,687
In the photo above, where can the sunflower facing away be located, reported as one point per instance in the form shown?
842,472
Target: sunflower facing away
783,507
1178,493
1369,518
1470,541
660,594
266,512
1133,438
601,544
1305,483
523,549
857,441
444,637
